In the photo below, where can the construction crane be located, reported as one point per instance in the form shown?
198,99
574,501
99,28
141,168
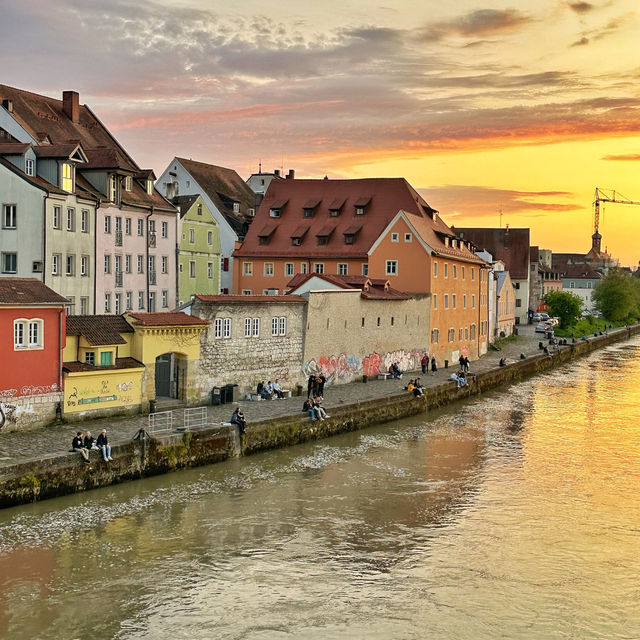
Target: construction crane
606,196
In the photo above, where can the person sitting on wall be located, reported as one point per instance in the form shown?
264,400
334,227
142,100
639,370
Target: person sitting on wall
238,419
503,361
522,356
323,415
308,407
277,390
395,371
268,390
261,391
77,444
90,442
103,445
410,386
417,388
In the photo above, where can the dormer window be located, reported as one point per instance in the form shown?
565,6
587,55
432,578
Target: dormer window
336,207
274,213
275,210
324,235
298,235
361,205
150,187
236,207
309,207
67,177
128,183
446,241
351,233
29,167
113,188
265,234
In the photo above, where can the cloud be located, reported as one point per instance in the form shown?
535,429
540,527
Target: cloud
581,7
481,22
627,157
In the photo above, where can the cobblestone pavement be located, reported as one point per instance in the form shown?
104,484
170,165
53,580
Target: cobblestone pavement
54,440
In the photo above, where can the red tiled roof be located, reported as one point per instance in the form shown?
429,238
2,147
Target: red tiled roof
337,204
250,299
301,278
311,203
167,318
19,291
100,329
371,288
300,231
386,197
121,363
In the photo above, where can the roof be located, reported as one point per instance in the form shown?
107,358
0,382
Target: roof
184,203
501,279
509,245
36,181
163,319
370,288
224,187
578,271
13,148
250,299
121,363
385,197
28,291
99,330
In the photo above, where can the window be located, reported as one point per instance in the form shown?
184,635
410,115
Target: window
460,333
247,327
268,268
288,269
9,216
19,334
141,296
408,237
106,358
435,300
85,224
118,304
282,323
462,272
434,336
199,208
209,269
70,306
165,230
84,265
226,332
107,263
152,301
127,226
9,263
455,270
318,267
127,263
192,268
90,358
128,183
107,303
218,328
55,264
589,284
274,326
472,332
140,263
473,273
128,301
71,219
152,266
392,268
140,227
473,300
452,335
29,166
107,224
518,302
435,269
152,226
164,264
303,267
113,188
464,301
359,211
572,285
446,269
365,269
446,300
192,236
247,268
67,177
246,292
343,269
57,213
165,299
395,237
454,300
236,207
209,237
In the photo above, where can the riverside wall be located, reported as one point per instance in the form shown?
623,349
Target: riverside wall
59,475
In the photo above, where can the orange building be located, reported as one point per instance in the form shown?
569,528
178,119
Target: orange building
318,226
420,254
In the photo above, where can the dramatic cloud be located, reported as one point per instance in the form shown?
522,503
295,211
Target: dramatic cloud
581,7
482,22
628,157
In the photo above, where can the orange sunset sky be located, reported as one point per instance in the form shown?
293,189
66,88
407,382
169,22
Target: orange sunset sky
525,105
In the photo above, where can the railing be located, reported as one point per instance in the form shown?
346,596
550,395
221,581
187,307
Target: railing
195,418
118,278
152,239
161,421
118,238
152,277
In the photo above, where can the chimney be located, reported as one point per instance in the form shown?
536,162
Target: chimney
71,105
291,175
8,105
276,173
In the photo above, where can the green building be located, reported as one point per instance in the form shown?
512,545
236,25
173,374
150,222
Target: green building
198,249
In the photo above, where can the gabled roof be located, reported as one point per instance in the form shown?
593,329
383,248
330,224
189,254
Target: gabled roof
184,203
36,181
501,279
28,291
384,197
100,329
370,288
509,245
223,299
68,150
224,187
14,148
163,319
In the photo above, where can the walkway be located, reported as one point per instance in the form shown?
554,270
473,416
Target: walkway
19,446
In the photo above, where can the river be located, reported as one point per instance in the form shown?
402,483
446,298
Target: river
512,516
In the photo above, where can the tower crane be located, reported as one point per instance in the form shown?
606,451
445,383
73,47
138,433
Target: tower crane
606,196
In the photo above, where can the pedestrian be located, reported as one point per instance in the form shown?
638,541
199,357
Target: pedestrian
238,419
461,361
320,380
103,445
434,367
311,383
77,444
466,364
424,363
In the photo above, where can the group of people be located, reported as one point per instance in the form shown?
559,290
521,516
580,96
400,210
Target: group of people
239,420
315,386
83,445
460,378
394,371
424,364
270,390
313,406
415,387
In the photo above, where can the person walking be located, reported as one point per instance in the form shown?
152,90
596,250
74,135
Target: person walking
434,367
103,445
424,363
311,383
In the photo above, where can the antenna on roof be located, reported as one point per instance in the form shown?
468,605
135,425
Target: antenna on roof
260,166
500,210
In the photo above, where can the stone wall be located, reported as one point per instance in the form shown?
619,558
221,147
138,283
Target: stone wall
245,361
25,412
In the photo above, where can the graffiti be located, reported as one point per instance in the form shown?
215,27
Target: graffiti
74,394
339,368
8,393
29,390
406,360
11,413
371,364
124,386
105,386
97,399
282,375
126,400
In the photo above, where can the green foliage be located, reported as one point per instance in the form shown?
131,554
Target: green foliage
565,306
618,296
585,327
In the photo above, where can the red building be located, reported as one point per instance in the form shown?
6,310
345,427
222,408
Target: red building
32,336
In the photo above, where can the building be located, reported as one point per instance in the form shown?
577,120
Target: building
505,306
259,182
511,246
227,196
581,280
543,277
32,336
320,226
132,260
360,326
198,249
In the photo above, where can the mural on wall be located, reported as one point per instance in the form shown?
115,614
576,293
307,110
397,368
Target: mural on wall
342,368
97,392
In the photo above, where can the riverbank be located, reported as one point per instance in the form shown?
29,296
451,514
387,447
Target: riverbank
60,473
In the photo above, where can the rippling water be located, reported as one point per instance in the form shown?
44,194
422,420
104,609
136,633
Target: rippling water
516,516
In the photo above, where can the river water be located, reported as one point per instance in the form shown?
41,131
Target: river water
514,516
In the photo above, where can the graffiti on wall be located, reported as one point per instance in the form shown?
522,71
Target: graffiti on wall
343,368
9,413
29,390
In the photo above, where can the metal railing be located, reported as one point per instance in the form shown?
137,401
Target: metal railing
161,421
195,418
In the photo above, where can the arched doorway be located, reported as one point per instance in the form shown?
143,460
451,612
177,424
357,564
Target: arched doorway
170,376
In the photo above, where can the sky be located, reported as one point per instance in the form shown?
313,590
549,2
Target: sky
520,107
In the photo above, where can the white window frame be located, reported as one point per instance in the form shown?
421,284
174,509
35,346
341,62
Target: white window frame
268,269
395,237
435,269
343,268
19,334
71,219
275,321
247,327
408,237
9,216
29,166
107,224
107,303
256,327
282,325
318,267
192,236
289,269
226,328
391,268
247,268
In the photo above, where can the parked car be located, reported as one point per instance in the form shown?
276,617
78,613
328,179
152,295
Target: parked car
540,317
543,327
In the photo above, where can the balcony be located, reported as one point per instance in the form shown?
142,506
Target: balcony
118,238
118,278
152,239
152,277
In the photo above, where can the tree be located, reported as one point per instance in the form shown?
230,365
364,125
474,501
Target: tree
565,306
617,296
